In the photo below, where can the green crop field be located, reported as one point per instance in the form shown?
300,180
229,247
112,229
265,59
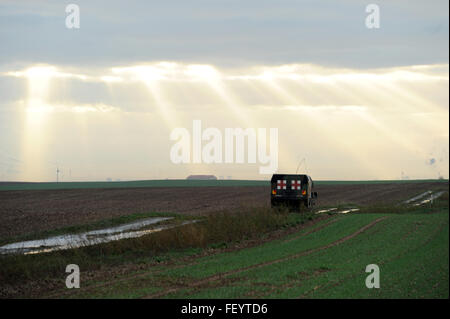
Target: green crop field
325,260
253,253
5,186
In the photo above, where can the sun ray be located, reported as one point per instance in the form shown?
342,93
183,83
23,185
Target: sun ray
382,102
36,112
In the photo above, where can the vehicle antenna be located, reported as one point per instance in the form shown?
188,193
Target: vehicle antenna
303,160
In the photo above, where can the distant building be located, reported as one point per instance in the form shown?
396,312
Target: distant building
202,177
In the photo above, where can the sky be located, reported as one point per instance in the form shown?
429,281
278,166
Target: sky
102,101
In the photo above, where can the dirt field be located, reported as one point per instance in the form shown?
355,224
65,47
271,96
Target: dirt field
23,212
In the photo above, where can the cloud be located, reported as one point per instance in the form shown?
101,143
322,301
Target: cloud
349,123
225,33
188,87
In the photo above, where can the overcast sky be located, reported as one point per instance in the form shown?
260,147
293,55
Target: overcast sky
225,32
101,101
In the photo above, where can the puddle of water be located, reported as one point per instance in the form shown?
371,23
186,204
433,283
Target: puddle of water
417,197
348,211
130,226
94,237
325,210
428,200
339,212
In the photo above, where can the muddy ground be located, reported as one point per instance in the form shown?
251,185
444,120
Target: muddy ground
30,211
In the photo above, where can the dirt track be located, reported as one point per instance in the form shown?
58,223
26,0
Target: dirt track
23,212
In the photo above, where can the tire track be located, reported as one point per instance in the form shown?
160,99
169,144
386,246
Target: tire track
268,263
312,230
